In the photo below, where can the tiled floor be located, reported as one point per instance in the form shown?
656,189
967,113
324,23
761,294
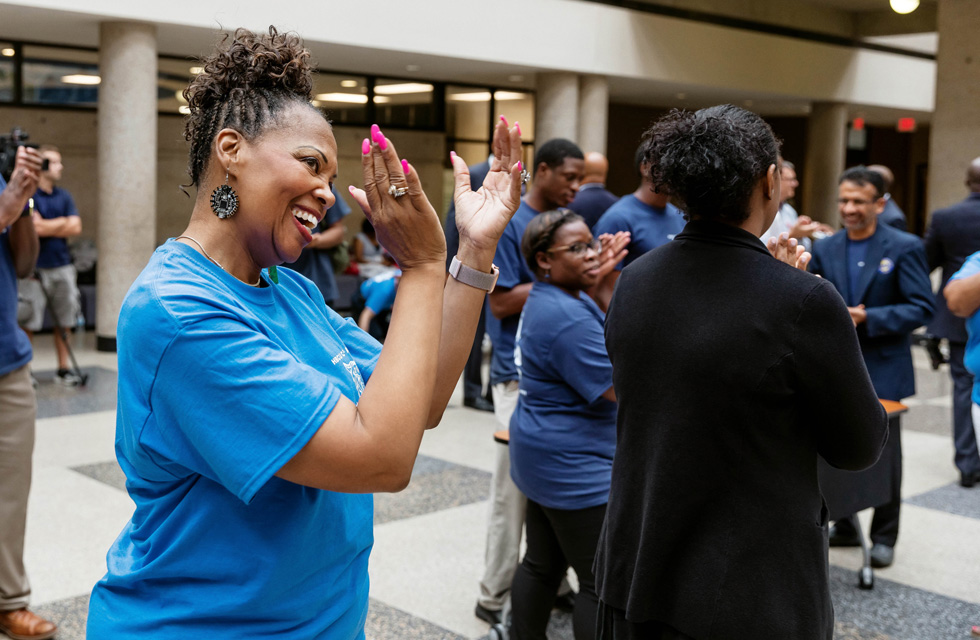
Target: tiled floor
429,538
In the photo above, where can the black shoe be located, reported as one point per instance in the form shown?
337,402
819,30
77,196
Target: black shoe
566,602
478,403
487,615
840,539
882,555
969,479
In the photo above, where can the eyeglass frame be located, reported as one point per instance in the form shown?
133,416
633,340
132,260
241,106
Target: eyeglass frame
595,245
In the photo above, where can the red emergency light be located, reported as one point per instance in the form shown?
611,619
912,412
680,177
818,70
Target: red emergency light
906,125
857,124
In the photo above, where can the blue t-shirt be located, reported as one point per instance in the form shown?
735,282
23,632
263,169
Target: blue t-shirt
220,384
563,432
971,357
379,291
57,204
15,348
513,271
649,227
857,253
316,264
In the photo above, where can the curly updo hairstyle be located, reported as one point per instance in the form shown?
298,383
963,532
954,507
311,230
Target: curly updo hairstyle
710,160
247,83
539,235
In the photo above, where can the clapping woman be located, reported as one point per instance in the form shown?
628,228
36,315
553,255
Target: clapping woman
253,422
563,432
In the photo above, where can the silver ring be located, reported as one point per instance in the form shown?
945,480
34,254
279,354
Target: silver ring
397,191
525,176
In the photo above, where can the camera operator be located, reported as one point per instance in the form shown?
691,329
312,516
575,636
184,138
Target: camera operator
55,220
18,407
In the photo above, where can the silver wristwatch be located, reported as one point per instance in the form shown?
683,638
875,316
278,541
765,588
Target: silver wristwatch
472,277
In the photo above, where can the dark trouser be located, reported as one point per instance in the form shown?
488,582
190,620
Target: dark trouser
473,371
964,438
555,539
884,524
613,625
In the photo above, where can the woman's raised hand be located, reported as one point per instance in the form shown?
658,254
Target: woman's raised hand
482,215
612,252
406,225
788,250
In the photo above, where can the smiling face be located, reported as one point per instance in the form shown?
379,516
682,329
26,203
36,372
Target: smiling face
859,206
571,261
283,179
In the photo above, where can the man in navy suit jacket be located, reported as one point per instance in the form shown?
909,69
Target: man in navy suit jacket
882,275
593,198
954,234
892,214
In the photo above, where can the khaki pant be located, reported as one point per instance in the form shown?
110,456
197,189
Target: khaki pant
18,410
507,506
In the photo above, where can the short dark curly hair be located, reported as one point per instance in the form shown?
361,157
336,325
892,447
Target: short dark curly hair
861,175
554,151
710,160
247,82
539,235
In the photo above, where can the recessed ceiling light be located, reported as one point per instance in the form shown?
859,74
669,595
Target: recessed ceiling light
412,67
403,87
351,98
681,96
7,51
516,78
81,78
349,83
904,6
748,103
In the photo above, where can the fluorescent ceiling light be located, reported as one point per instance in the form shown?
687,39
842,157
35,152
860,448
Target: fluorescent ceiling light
508,95
405,87
184,109
81,78
904,6
349,83
196,70
8,52
471,96
352,98
381,99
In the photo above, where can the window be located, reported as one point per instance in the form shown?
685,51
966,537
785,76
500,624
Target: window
173,76
405,103
61,76
344,98
7,53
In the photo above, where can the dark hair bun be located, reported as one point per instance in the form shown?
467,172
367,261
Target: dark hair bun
248,80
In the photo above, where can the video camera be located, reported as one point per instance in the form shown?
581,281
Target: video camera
8,151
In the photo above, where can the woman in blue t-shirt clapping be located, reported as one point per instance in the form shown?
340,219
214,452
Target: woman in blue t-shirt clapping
563,432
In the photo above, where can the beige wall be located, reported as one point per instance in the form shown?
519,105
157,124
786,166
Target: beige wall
74,132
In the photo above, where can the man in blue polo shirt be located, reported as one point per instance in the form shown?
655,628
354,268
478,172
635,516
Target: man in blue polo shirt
55,220
646,214
558,169
18,406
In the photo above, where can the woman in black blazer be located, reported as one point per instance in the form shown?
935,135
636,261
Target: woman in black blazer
734,371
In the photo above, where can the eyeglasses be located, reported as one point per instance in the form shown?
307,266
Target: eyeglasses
578,248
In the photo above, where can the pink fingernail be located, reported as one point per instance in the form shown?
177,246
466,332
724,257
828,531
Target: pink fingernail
351,187
517,125
405,167
452,155
504,120
366,147
520,166
375,130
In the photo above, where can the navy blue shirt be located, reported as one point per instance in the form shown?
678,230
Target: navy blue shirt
316,264
592,200
15,348
857,251
57,204
513,271
563,432
649,227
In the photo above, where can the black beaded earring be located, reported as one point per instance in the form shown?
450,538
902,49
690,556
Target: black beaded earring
224,200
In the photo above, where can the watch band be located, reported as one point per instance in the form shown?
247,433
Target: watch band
472,277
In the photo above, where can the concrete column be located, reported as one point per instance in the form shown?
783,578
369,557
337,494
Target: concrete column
127,161
593,113
955,132
825,151
556,107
